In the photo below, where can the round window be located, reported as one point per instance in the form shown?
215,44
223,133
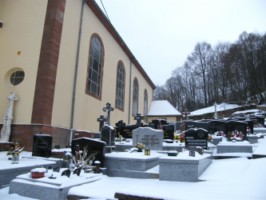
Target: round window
17,77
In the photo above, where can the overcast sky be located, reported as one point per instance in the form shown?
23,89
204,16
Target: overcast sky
162,33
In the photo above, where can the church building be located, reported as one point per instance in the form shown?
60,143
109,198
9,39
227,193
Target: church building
65,61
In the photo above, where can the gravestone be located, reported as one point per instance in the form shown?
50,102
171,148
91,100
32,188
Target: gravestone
42,145
217,126
124,130
92,146
138,118
239,126
101,121
196,124
196,138
169,131
108,135
151,138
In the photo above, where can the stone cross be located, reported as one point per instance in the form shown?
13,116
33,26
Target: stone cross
5,132
101,121
138,118
108,108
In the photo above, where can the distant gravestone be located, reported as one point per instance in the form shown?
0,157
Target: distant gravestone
92,146
101,121
138,118
42,145
169,131
108,135
196,138
240,126
151,138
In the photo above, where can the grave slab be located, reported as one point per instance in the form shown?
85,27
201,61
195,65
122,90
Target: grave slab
234,147
134,165
183,167
47,189
252,139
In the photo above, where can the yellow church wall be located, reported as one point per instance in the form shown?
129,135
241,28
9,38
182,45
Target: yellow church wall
20,41
88,108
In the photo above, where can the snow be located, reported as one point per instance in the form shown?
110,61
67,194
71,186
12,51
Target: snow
230,179
211,109
162,108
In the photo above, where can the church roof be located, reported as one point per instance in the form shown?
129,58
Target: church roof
108,25
162,108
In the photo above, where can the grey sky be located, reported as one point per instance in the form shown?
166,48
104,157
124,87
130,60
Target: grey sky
162,33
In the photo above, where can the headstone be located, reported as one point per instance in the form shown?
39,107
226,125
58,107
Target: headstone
196,124
125,130
236,126
42,145
92,146
138,118
217,126
108,108
196,138
169,131
151,138
101,121
108,135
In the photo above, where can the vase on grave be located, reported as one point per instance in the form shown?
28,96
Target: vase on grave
15,159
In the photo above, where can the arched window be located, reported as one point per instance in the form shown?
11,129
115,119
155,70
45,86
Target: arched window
95,67
135,97
120,86
145,111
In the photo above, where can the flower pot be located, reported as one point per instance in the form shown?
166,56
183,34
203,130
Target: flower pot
15,159
38,172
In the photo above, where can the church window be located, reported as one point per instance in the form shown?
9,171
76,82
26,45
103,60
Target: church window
135,97
120,86
17,77
95,67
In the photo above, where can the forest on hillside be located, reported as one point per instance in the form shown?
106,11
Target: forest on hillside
231,73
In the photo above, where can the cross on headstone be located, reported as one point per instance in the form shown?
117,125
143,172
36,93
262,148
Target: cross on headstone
108,108
138,118
101,121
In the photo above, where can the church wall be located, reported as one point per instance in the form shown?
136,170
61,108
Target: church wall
88,108
20,40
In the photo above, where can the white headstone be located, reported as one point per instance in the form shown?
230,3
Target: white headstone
151,138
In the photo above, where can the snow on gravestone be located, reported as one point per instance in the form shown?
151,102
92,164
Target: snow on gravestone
151,138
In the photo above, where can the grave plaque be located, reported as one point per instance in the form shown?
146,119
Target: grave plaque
236,126
151,138
196,138
91,145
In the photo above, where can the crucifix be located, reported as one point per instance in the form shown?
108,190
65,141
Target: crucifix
138,117
101,121
6,129
108,108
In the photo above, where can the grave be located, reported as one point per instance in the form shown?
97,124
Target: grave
236,127
108,136
196,137
226,147
183,167
196,124
42,145
151,138
91,145
131,165
217,126
252,138
101,121
169,131
46,188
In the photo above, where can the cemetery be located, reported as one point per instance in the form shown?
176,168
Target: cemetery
158,151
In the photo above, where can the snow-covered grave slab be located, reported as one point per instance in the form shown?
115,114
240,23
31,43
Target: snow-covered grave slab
259,130
235,147
9,171
217,139
183,167
252,138
133,165
46,188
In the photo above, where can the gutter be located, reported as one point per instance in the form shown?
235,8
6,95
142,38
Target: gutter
75,76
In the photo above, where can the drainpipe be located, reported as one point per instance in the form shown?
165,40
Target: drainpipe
75,76
129,96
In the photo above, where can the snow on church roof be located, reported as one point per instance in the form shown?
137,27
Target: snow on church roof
162,108
211,109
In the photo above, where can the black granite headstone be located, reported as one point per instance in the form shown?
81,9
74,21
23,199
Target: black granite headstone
42,145
108,135
240,126
196,138
92,146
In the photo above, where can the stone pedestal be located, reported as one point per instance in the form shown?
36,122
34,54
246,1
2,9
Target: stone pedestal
183,167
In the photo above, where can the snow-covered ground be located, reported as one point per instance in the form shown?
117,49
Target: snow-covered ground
234,178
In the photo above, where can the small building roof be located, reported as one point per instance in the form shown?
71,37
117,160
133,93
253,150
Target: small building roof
211,109
162,108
